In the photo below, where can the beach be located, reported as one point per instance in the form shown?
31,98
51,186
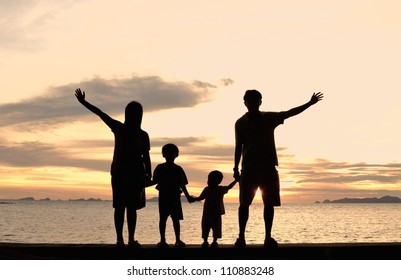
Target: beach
335,251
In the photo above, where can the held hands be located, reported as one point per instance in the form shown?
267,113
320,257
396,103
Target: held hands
149,182
236,175
80,95
316,97
191,199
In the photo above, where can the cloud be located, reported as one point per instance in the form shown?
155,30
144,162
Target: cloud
325,171
226,82
320,178
199,158
40,154
12,34
111,96
22,22
221,152
320,192
325,179
199,148
200,84
179,141
335,190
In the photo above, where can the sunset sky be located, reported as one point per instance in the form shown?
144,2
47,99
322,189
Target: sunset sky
189,64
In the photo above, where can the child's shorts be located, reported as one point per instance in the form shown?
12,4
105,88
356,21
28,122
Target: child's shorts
170,205
214,223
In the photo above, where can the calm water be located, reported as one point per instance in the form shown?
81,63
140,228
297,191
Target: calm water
92,222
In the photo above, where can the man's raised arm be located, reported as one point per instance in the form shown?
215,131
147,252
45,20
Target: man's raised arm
316,97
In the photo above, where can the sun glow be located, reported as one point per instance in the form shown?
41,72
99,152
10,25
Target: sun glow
258,196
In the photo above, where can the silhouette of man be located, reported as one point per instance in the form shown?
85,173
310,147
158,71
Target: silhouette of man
254,142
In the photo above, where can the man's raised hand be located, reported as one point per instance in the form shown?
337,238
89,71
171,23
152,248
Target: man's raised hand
316,97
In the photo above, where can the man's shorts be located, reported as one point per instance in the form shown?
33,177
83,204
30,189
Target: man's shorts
266,178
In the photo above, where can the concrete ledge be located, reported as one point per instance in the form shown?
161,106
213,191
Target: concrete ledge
337,251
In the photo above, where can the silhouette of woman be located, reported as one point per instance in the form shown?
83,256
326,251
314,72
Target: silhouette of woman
131,166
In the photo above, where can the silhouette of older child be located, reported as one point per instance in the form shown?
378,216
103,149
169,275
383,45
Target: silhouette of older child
131,167
213,207
171,182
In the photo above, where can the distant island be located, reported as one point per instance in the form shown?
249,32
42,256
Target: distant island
83,199
48,199
384,199
152,199
27,199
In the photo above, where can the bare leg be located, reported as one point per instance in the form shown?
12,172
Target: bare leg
162,228
131,220
176,225
205,228
119,223
243,214
268,215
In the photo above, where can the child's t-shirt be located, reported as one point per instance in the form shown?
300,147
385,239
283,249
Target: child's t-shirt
213,196
170,178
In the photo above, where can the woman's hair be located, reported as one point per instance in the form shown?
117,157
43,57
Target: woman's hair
133,114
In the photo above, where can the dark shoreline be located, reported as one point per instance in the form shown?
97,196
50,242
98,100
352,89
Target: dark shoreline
332,251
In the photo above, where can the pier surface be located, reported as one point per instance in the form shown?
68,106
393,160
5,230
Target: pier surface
337,251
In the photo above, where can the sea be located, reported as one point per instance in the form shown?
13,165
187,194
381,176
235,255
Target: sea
91,222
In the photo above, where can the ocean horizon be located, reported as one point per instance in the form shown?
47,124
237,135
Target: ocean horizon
383,199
